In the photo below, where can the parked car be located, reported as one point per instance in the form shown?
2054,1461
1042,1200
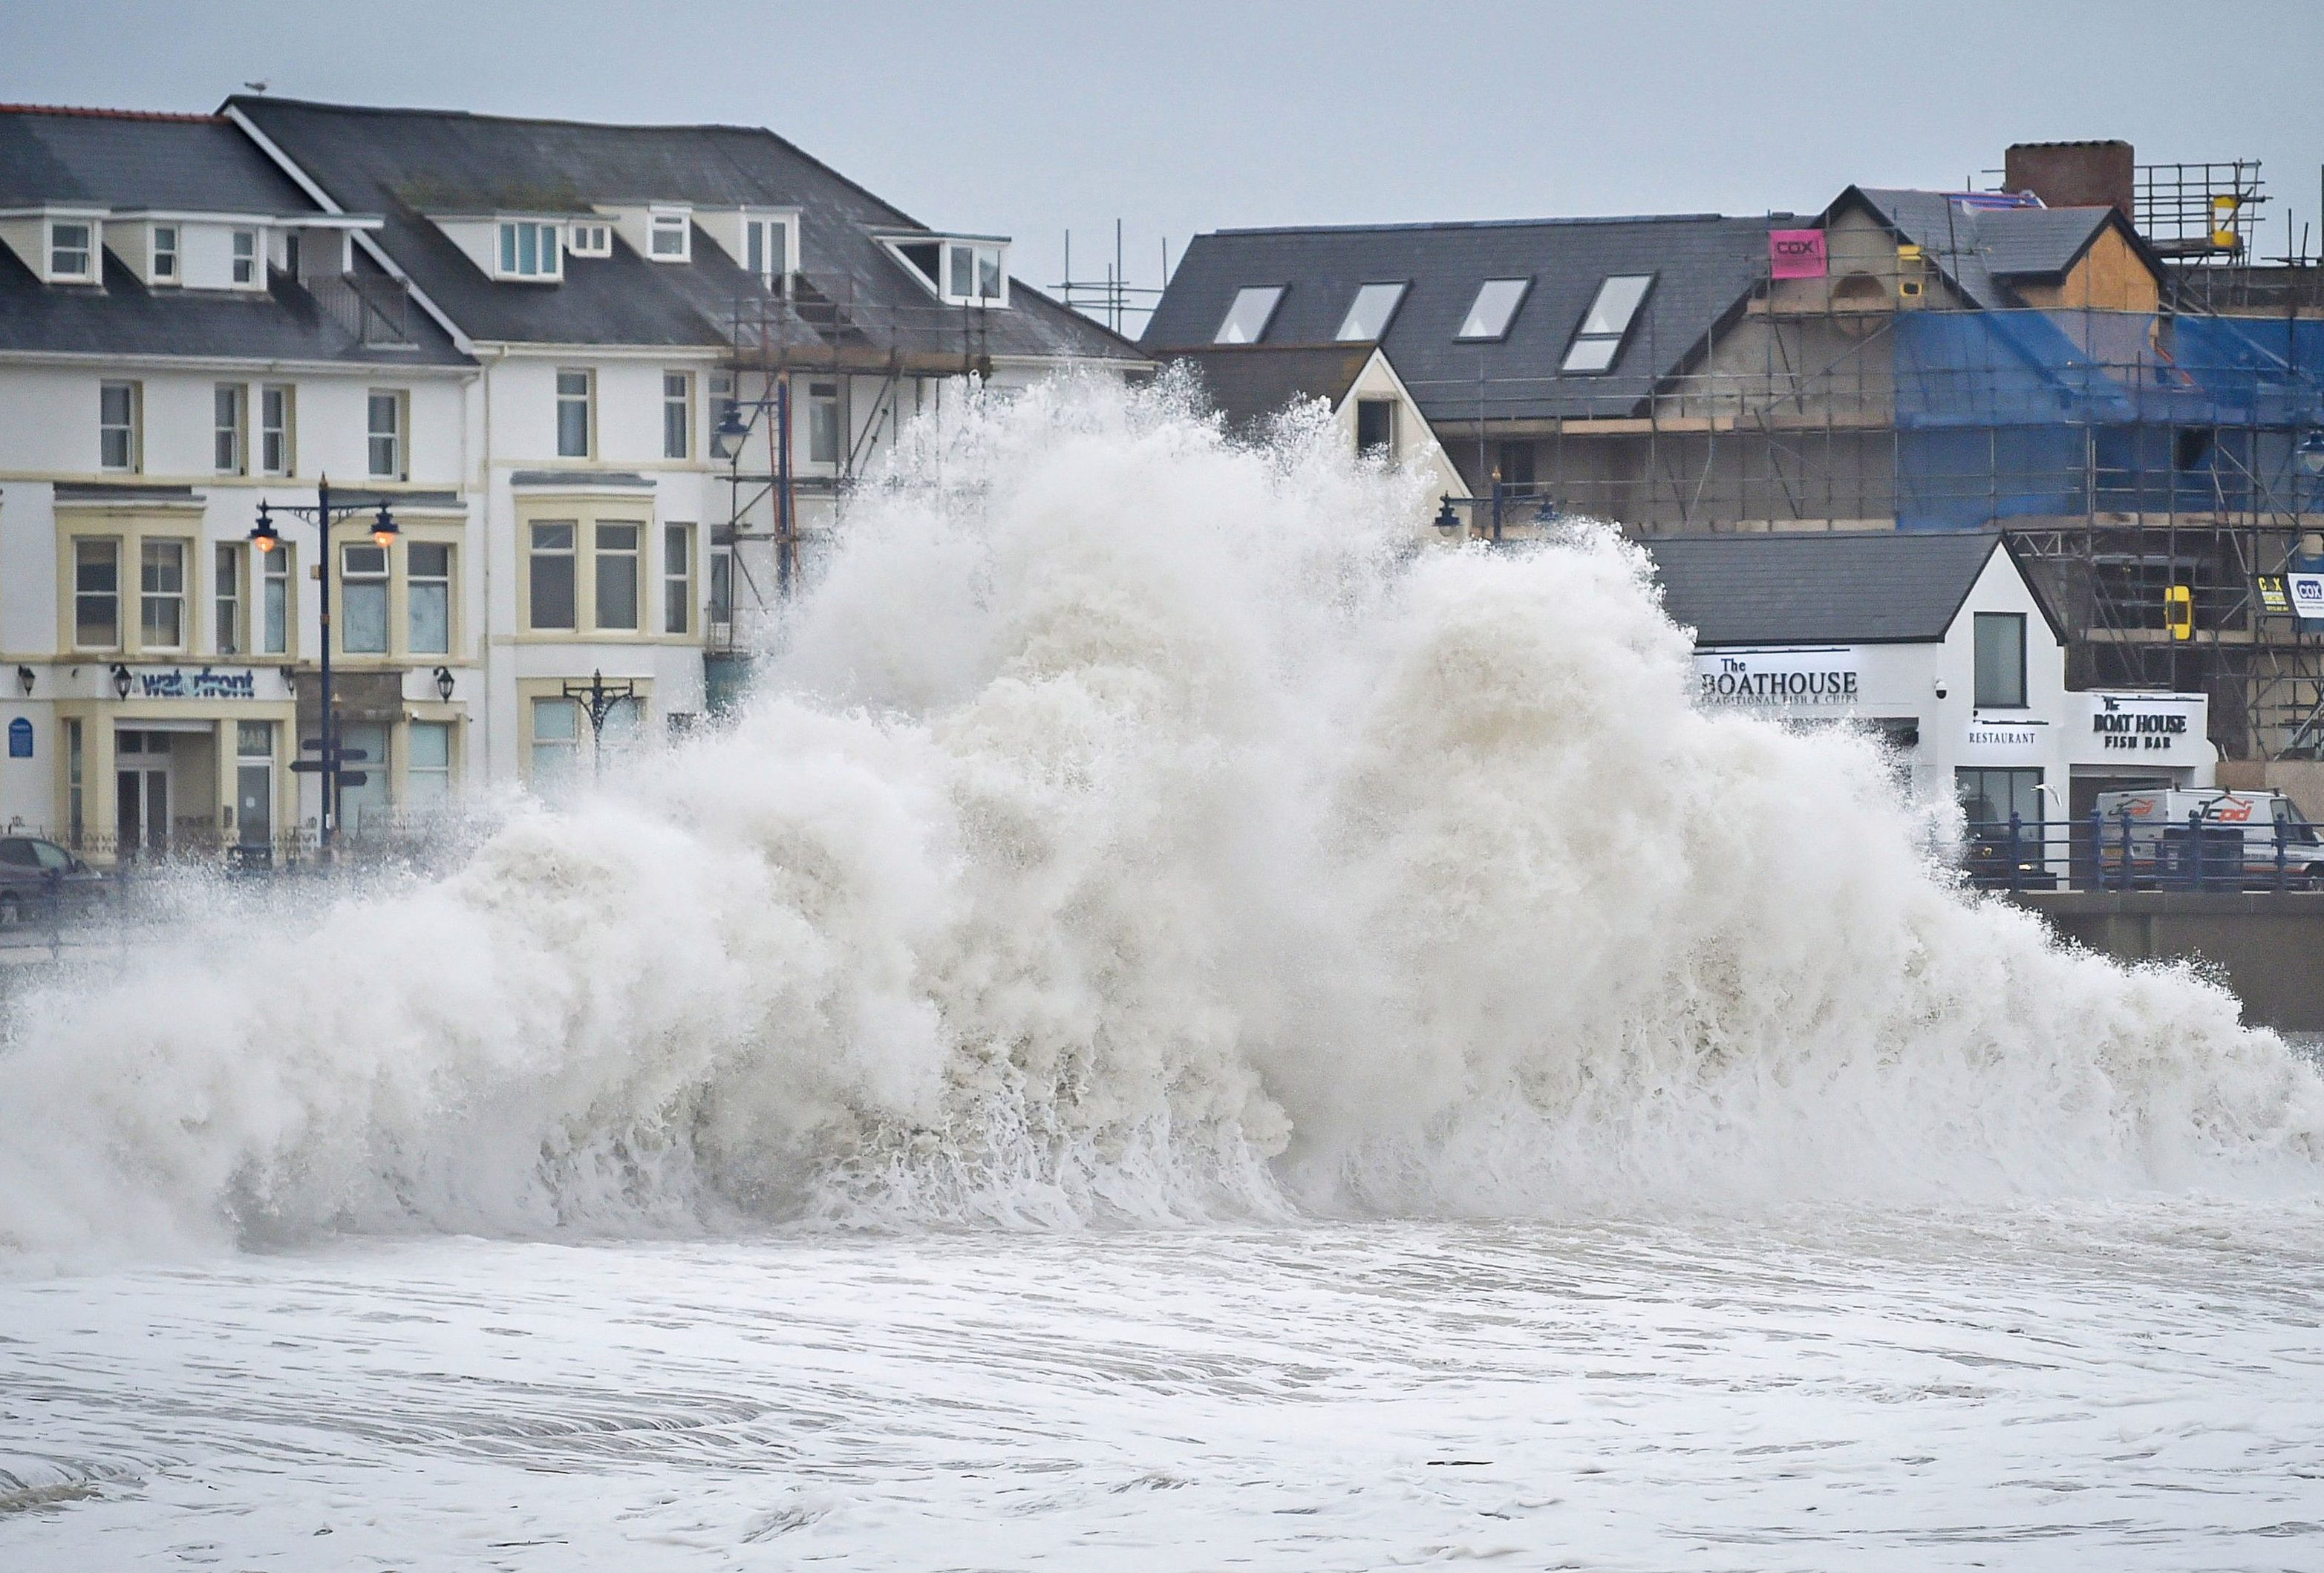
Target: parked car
2226,840
40,881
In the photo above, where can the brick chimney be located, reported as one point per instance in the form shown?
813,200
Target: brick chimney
2074,174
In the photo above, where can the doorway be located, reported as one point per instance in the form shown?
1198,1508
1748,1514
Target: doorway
141,794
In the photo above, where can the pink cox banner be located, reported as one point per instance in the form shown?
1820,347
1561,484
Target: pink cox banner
1796,253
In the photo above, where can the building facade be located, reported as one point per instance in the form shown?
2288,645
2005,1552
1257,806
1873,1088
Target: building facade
1938,644
184,337
612,382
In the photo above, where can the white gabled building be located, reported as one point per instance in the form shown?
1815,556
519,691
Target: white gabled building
621,288
184,334
1935,640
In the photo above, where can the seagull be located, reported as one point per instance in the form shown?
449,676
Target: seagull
255,87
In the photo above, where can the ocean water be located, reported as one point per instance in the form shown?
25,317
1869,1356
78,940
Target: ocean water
1178,1030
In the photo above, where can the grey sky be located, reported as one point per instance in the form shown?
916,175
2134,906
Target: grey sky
1028,118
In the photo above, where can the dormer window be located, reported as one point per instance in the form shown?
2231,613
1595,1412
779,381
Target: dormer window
529,250
767,247
245,257
972,275
670,237
590,240
72,251
165,254
961,271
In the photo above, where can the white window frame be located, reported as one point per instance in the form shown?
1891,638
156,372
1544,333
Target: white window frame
152,601
771,235
130,428
677,580
366,580
230,428
243,268
669,224
414,582
509,236
90,246
273,613
678,415
593,238
978,253
116,546
227,635
827,436
278,417
396,435
156,254
585,398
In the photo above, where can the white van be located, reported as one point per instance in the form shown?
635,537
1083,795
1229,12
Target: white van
2208,836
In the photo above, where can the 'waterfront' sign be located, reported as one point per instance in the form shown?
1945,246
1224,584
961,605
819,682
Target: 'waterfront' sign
203,683
1823,678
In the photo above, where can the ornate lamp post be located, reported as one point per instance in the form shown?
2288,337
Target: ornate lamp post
597,699
325,515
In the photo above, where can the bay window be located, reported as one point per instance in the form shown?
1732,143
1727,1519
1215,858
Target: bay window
161,594
428,590
616,570
551,573
96,595
362,599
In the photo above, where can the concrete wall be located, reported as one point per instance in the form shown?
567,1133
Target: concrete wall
2266,945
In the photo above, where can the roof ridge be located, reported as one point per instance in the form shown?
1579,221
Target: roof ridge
688,125
1509,223
98,113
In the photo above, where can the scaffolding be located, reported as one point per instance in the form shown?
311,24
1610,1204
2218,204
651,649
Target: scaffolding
2124,452
823,356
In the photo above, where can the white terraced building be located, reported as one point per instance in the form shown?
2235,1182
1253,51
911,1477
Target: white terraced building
524,337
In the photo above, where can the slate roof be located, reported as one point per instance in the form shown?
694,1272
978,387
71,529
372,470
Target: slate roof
1820,587
407,163
1982,247
1703,265
200,163
1250,382
187,163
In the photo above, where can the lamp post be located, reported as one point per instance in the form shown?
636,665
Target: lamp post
597,699
324,515
726,440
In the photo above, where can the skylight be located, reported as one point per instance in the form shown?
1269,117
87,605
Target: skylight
1495,306
1368,313
1247,318
1595,347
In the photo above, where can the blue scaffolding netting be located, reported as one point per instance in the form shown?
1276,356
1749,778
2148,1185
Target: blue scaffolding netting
2015,415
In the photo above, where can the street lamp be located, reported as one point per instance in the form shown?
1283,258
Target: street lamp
325,515
599,698
726,437
444,684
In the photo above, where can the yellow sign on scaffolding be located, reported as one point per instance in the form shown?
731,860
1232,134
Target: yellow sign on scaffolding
2178,610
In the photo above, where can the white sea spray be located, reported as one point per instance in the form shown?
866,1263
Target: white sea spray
1140,825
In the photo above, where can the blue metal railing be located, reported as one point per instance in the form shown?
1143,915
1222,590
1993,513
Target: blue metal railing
2098,852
